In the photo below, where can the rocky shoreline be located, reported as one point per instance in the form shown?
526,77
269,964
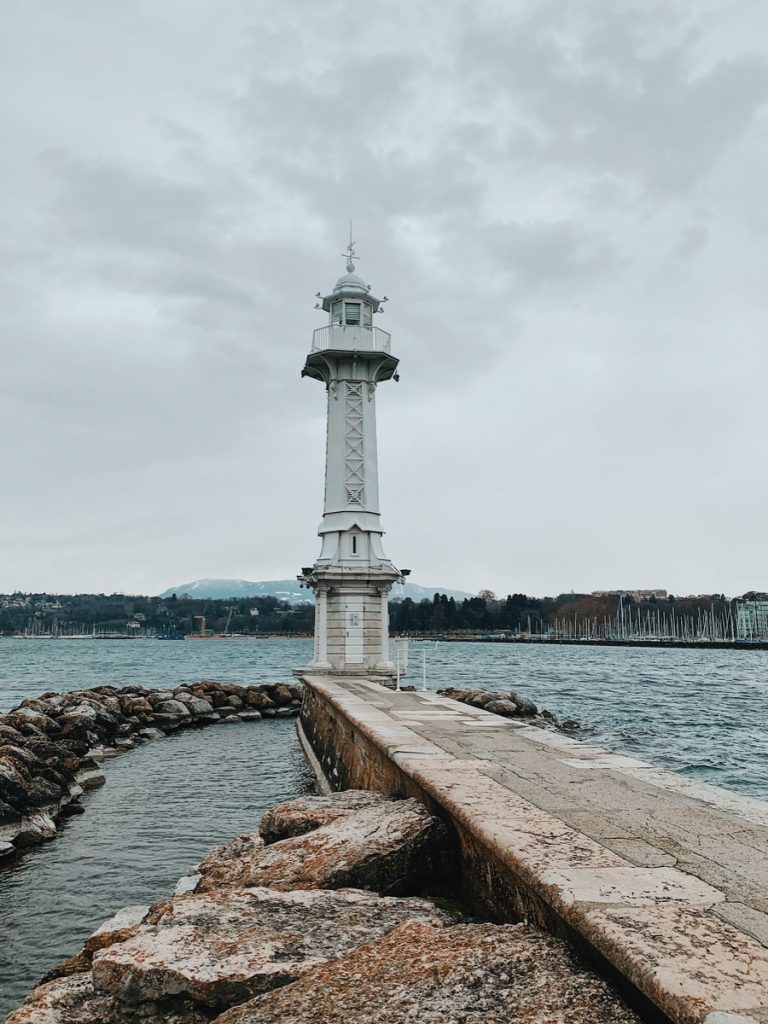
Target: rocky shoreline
336,910
52,746
509,705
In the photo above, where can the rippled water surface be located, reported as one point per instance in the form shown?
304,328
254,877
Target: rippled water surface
165,804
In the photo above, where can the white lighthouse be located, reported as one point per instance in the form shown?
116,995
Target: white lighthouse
352,577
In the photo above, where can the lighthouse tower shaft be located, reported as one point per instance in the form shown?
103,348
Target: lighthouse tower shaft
352,577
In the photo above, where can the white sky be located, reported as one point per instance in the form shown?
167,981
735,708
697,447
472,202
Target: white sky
566,203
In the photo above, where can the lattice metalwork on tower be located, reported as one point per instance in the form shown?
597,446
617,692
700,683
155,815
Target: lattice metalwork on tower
354,459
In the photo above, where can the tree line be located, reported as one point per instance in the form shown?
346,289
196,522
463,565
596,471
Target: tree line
153,616
568,614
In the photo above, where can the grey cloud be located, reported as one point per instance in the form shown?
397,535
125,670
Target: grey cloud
564,202
541,254
647,116
692,241
116,205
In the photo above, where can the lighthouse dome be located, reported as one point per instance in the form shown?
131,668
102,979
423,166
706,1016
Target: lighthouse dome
351,282
353,289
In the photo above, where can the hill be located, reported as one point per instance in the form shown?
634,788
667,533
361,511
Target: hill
289,590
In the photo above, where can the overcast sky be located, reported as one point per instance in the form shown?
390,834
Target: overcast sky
567,204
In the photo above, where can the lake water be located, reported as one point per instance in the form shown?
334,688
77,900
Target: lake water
165,804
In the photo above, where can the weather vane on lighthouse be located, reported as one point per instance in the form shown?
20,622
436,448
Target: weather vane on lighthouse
352,576
349,252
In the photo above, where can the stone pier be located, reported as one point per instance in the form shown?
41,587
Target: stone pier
662,880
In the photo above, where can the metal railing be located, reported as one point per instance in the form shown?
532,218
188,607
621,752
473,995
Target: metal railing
349,337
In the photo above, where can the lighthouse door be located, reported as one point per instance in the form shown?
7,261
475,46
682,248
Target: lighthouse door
354,640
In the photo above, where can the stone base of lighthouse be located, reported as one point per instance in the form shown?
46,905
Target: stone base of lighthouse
351,620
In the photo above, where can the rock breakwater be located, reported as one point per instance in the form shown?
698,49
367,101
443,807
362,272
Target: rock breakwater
250,954
509,705
52,746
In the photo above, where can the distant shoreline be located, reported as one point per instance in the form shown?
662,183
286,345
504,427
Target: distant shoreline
718,645
733,645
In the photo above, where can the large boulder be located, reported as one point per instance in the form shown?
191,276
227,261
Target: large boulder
123,925
196,705
258,699
74,1000
14,783
34,829
395,847
79,723
8,734
221,948
23,716
505,708
526,707
20,755
67,1000
43,793
476,974
297,817
156,697
8,813
172,707
281,694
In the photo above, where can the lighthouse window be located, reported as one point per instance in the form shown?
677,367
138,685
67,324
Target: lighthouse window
336,312
352,313
367,315
354,544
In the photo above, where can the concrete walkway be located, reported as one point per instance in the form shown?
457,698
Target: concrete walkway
665,878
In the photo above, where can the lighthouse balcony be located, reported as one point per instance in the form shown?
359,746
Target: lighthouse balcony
351,338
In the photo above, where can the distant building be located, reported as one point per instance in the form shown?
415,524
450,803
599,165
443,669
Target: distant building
752,620
636,595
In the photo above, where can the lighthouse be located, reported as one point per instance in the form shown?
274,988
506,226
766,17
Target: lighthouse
352,576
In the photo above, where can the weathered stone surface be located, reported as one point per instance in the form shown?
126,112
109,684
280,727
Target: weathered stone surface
151,734
68,1000
159,696
297,817
473,974
42,793
197,705
257,699
71,810
91,778
687,961
395,847
229,862
14,780
281,694
252,715
187,883
118,928
40,720
173,707
221,948
539,807
74,1000
33,829
504,707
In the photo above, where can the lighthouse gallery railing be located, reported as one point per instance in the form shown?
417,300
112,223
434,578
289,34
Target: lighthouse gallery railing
351,337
